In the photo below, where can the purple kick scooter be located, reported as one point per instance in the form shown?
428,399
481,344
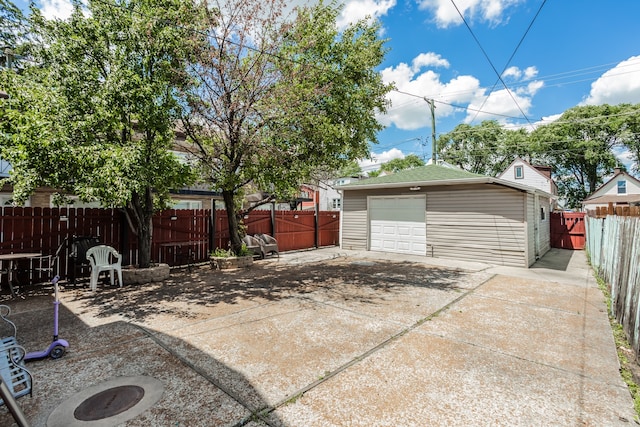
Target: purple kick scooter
57,348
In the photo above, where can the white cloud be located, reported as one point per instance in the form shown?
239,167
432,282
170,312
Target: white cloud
486,10
411,112
356,10
379,158
428,59
621,84
501,105
530,73
513,72
56,9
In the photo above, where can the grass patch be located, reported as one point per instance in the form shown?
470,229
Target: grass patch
628,365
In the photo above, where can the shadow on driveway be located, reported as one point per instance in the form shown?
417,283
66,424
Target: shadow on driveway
227,345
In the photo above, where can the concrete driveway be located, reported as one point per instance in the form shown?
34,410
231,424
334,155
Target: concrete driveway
332,338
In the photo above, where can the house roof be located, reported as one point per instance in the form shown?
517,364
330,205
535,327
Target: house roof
532,167
591,197
612,198
432,175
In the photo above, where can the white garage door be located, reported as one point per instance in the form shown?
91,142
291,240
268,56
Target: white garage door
397,224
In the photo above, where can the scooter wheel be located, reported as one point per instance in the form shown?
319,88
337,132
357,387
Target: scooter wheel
57,352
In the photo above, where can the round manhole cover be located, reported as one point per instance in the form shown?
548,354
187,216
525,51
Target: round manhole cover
109,403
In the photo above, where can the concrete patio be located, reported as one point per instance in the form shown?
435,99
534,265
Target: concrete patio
335,338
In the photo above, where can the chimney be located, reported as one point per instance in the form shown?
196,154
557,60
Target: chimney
616,171
544,170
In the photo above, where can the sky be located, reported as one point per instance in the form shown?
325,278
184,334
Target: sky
520,62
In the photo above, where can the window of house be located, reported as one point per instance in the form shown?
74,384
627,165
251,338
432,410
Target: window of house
542,214
187,204
73,202
518,172
6,199
336,203
622,187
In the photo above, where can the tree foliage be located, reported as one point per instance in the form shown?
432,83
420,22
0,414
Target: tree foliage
485,149
279,99
630,132
408,162
96,116
579,146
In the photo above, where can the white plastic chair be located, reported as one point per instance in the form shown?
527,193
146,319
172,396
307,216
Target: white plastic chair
100,258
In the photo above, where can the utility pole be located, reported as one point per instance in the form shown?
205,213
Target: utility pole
432,107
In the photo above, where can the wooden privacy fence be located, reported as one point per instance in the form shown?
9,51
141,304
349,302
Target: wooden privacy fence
602,211
567,230
294,230
613,245
179,236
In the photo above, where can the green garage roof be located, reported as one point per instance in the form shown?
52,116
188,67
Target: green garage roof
434,175
423,174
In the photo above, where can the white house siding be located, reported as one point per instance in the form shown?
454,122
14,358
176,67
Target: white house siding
611,187
354,221
531,177
484,224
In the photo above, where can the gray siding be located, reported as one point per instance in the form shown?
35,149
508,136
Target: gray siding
531,219
545,227
354,221
483,224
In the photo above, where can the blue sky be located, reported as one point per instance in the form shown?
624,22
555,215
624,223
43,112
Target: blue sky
573,53
553,55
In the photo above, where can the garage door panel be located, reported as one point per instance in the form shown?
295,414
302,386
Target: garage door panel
398,224
399,237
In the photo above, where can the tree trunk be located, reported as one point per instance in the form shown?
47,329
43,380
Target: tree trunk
232,220
142,212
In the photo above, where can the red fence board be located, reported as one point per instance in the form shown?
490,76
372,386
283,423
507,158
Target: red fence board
179,236
295,230
567,230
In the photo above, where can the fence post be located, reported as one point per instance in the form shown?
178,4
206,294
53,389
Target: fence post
125,247
212,228
316,224
273,219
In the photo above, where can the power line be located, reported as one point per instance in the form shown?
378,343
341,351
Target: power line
506,65
490,62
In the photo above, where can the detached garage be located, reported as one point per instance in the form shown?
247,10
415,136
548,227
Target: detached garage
445,212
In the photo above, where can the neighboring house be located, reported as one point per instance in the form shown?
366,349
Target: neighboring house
324,195
621,189
330,197
536,176
197,196
444,212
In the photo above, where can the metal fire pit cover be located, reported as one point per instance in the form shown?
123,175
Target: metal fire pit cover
110,403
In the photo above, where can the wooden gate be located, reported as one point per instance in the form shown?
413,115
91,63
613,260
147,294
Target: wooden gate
567,230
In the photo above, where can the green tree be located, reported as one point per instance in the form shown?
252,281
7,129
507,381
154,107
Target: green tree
485,149
13,29
579,146
352,168
96,117
408,162
279,99
630,135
